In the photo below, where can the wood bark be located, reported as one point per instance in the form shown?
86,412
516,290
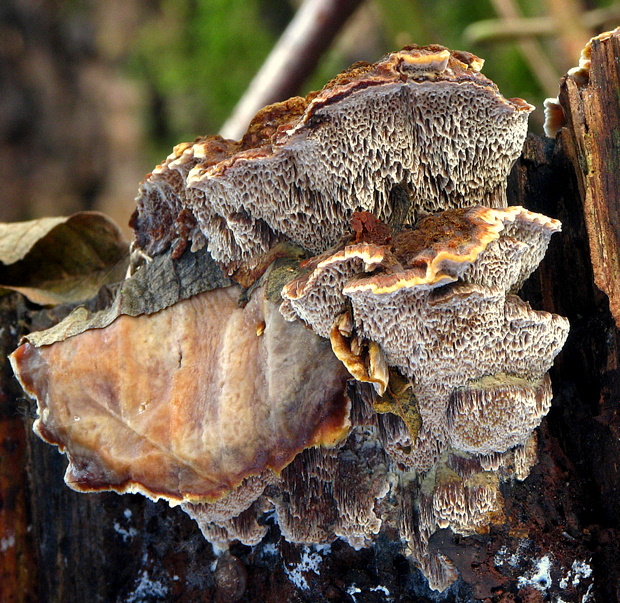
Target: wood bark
592,141
57,545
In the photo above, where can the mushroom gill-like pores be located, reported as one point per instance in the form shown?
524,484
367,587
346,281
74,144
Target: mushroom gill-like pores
321,287
422,128
496,413
187,402
467,505
439,306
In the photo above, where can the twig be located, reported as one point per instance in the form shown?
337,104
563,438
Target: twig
495,30
572,32
293,58
532,50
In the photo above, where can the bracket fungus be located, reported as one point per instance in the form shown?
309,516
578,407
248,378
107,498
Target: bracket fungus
437,301
387,378
422,123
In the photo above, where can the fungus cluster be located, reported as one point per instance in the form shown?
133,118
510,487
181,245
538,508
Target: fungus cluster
372,368
421,124
436,303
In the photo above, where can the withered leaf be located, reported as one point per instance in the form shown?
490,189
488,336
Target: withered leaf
156,285
59,260
187,402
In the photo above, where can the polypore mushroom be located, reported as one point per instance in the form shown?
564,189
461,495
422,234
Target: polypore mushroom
233,411
436,300
324,493
421,128
316,297
468,506
234,516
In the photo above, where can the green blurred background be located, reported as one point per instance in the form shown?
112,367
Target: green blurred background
94,94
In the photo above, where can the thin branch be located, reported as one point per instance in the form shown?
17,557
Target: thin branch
532,50
308,35
572,32
497,30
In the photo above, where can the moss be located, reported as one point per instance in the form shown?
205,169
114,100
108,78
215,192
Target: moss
400,401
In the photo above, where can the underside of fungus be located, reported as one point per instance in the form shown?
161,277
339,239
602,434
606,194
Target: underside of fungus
436,303
422,124
372,369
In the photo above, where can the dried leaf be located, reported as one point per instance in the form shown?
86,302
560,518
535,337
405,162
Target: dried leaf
156,285
58,260
187,402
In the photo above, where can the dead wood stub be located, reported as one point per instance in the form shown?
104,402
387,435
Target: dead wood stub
590,98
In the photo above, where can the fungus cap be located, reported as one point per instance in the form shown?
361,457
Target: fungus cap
305,165
247,414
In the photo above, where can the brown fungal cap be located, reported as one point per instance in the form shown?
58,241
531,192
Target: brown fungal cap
443,247
187,414
316,297
422,120
496,247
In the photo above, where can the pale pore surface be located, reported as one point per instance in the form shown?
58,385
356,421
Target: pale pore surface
318,299
444,342
444,316
370,142
496,413
441,134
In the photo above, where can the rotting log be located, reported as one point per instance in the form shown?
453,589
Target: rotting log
589,97
18,579
103,547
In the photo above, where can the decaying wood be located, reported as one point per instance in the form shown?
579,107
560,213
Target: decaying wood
18,568
592,141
